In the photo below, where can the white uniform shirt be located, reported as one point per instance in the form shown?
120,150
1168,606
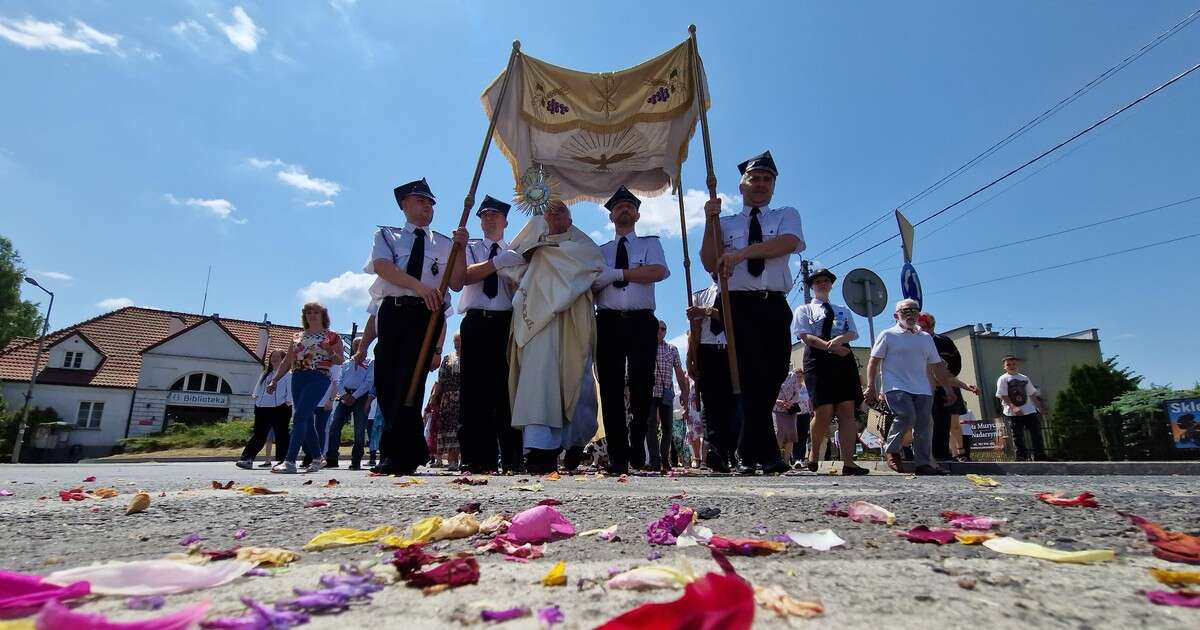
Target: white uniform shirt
707,298
735,235
472,295
642,250
394,245
810,319
282,395
907,355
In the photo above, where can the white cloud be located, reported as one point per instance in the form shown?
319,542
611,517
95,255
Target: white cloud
55,275
681,343
220,208
37,35
297,177
242,32
598,236
319,204
189,28
112,304
660,215
349,287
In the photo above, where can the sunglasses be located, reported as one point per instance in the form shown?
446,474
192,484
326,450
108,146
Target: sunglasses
909,311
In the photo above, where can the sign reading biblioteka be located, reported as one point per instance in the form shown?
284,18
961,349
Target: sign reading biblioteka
198,399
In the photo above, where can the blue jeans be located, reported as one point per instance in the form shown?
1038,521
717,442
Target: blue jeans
334,436
912,411
308,388
376,431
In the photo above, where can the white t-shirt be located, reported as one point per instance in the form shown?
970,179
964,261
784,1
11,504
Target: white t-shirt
906,356
1020,392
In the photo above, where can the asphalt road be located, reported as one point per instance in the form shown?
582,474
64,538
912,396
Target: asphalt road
877,579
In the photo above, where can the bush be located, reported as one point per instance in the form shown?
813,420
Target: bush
1090,387
10,421
229,434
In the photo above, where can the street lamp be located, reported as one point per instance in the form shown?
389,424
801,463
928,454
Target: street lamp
16,451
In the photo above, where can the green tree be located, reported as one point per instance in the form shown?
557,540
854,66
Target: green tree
18,318
1090,387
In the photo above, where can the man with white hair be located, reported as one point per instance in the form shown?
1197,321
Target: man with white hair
908,357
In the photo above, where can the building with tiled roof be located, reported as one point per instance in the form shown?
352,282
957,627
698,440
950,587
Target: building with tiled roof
136,371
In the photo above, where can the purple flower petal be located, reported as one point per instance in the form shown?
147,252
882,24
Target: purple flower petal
257,572
503,615
550,616
317,601
240,534
260,617
148,602
190,539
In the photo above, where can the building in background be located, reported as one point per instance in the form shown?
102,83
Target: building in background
136,371
1045,360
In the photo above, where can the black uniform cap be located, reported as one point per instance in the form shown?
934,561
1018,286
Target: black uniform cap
622,194
761,162
491,203
812,277
419,187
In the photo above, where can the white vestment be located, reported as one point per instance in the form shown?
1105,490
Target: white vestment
554,329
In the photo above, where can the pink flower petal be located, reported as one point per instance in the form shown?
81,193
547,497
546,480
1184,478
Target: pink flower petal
1187,599
21,594
55,615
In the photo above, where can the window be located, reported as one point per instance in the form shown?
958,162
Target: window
89,415
72,360
202,382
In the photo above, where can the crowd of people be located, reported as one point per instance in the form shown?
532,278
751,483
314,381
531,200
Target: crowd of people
560,356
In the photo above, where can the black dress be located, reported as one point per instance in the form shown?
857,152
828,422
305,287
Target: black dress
830,379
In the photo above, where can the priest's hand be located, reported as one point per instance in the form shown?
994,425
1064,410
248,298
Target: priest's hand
728,261
696,313
508,258
431,296
712,208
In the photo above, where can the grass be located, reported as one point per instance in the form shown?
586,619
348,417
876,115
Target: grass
226,435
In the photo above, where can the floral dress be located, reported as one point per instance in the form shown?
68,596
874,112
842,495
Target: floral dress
448,410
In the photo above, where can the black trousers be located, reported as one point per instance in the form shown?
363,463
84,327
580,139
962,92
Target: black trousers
720,431
761,323
1033,423
803,424
401,326
485,432
267,419
941,427
661,444
626,340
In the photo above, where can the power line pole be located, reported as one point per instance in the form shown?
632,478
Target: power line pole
804,279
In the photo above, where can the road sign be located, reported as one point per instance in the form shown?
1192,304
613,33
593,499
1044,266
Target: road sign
910,284
865,294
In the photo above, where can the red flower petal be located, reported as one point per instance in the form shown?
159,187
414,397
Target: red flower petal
713,602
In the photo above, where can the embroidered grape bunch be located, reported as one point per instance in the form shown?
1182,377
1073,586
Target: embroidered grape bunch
660,96
554,107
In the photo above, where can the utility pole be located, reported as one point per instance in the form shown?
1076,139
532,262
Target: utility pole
37,359
804,279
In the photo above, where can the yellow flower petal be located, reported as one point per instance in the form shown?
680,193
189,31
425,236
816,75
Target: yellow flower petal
1019,548
776,600
345,536
654,576
973,538
1178,579
267,555
981,480
460,525
557,576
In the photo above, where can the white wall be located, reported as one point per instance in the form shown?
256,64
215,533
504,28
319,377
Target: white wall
65,400
73,344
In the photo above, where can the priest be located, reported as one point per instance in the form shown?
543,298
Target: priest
553,336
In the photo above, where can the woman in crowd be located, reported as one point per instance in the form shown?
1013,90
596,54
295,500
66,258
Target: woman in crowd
790,405
314,350
272,412
444,399
830,370
695,424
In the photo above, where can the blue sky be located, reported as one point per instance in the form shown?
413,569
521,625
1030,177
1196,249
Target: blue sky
141,143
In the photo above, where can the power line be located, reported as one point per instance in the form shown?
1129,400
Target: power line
1030,124
1035,159
1066,264
1057,233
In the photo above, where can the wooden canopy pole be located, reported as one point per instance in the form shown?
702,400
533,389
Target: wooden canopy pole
711,182
455,249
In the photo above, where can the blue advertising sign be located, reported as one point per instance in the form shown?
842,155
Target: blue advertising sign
1184,415
910,284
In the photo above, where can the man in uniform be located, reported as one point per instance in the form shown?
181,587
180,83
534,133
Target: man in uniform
756,246
485,432
626,329
409,263
712,361
353,401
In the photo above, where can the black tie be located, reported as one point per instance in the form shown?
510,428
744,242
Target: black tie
491,284
827,325
416,256
622,261
755,265
716,323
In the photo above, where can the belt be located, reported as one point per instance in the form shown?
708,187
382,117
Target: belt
760,294
612,312
483,312
405,300
718,346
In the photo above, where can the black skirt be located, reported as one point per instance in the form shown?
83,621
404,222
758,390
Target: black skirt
831,379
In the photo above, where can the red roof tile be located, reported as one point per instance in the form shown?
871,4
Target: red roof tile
121,336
